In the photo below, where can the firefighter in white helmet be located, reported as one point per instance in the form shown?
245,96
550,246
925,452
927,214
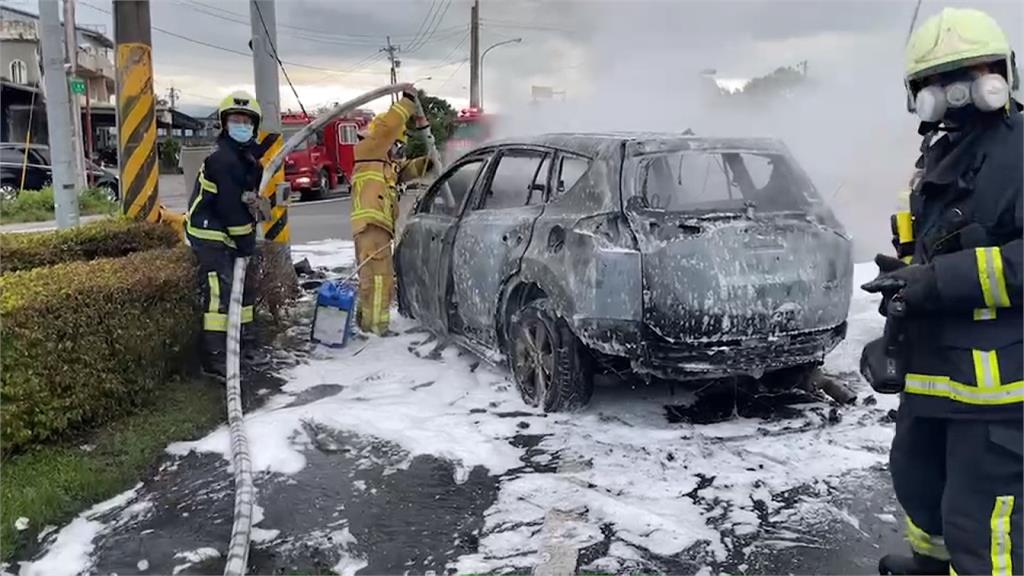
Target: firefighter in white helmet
953,300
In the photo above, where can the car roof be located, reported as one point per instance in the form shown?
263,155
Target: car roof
592,143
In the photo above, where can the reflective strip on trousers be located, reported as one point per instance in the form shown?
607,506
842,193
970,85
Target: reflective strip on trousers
247,314
984,313
943,387
952,571
991,277
986,368
926,544
214,282
379,315
1002,544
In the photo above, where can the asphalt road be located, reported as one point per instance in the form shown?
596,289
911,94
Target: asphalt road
310,221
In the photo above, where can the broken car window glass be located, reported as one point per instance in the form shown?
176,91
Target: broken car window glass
699,180
512,181
570,170
459,182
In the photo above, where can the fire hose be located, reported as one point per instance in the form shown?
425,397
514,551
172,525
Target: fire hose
241,463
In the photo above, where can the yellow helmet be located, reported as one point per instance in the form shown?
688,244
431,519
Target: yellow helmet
240,102
956,38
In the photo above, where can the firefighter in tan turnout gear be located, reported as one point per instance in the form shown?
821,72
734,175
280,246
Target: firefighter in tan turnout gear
375,208
952,298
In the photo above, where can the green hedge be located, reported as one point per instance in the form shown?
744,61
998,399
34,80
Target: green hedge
84,342
106,239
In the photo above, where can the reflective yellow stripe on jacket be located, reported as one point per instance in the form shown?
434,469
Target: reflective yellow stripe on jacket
381,216
204,233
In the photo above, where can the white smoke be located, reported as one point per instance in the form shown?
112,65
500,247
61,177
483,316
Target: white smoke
847,125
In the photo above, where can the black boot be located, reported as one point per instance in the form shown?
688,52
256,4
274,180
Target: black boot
916,564
215,366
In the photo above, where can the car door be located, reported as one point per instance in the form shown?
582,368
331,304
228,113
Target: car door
493,236
421,256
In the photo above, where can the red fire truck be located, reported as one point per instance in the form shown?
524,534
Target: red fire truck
325,161
472,128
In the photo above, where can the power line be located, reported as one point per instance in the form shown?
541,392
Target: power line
525,26
434,31
461,64
231,50
446,61
421,27
259,11
370,38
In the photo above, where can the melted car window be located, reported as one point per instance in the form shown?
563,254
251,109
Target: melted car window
513,180
570,170
695,180
459,182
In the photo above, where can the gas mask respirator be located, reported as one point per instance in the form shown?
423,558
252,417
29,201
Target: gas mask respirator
987,92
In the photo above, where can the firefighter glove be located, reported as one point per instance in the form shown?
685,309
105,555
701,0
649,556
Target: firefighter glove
411,95
916,283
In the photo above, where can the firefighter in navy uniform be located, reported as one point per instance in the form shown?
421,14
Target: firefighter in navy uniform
221,226
952,345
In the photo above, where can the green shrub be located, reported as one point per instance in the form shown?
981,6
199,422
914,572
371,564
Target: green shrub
84,342
106,239
37,205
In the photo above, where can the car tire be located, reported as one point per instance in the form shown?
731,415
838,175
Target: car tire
8,191
550,366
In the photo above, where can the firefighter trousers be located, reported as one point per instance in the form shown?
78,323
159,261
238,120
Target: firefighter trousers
216,268
960,484
376,279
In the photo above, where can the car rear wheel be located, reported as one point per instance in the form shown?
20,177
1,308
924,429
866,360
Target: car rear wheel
8,191
550,366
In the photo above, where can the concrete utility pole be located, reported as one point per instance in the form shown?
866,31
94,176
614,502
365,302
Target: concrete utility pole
136,110
474,55
71,65
395,63
263,20
172,96
58,112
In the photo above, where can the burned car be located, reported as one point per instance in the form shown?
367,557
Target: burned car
678,257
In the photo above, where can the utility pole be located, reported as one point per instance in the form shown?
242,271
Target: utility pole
172,96
71,65
58,112
474,55
136,110
263,21
395,63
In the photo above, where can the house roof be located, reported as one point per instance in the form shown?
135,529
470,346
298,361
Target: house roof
95,35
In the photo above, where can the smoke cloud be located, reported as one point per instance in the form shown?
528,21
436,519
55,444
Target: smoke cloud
847,123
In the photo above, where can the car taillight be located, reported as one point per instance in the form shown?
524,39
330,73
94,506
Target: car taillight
609,230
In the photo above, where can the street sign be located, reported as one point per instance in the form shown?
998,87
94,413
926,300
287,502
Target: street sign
77,86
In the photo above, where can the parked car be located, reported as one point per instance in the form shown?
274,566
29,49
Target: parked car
677,257
38,173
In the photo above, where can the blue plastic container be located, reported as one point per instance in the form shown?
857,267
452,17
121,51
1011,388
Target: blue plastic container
335,307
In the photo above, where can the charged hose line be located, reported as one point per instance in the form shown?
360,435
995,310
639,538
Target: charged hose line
241,464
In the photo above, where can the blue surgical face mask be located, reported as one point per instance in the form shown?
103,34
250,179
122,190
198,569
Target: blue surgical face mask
240,132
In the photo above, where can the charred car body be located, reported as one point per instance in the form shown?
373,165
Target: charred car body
683,257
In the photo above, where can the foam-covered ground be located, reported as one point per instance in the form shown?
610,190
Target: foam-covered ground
619,480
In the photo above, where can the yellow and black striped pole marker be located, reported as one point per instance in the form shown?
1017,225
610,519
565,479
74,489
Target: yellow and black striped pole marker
269,144
136,111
